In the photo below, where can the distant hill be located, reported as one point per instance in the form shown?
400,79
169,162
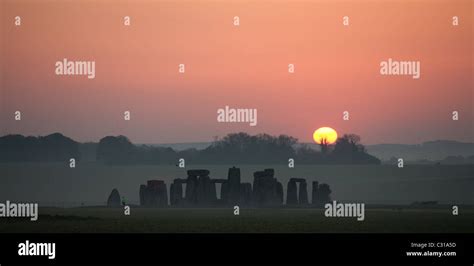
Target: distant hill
431,150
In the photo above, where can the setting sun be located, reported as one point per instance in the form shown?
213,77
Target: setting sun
325,135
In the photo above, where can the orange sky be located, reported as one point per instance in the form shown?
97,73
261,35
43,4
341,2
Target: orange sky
337,68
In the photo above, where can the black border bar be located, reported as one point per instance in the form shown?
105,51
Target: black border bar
239,248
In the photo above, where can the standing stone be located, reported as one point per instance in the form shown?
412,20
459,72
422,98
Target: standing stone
205,191
114,199
269,190
269,172
173,199
157,193
279,191
154,194
303,193
245,194
314,193
291,194
233,185
258,196
324,194
213,193
191,189
265,188
178,193
198,172
143,196
163,194
224,193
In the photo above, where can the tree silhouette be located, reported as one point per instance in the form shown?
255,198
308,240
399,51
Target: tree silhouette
324,145
115,150
349,150
53,147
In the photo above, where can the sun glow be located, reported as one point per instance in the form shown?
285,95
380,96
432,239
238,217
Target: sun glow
325,135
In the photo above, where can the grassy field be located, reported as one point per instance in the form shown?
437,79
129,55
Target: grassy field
285,220
60,190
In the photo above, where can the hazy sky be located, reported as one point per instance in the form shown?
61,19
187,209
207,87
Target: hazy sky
336,68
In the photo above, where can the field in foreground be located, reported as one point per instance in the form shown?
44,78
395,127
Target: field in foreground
109,220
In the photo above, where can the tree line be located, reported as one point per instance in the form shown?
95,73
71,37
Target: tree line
232,149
